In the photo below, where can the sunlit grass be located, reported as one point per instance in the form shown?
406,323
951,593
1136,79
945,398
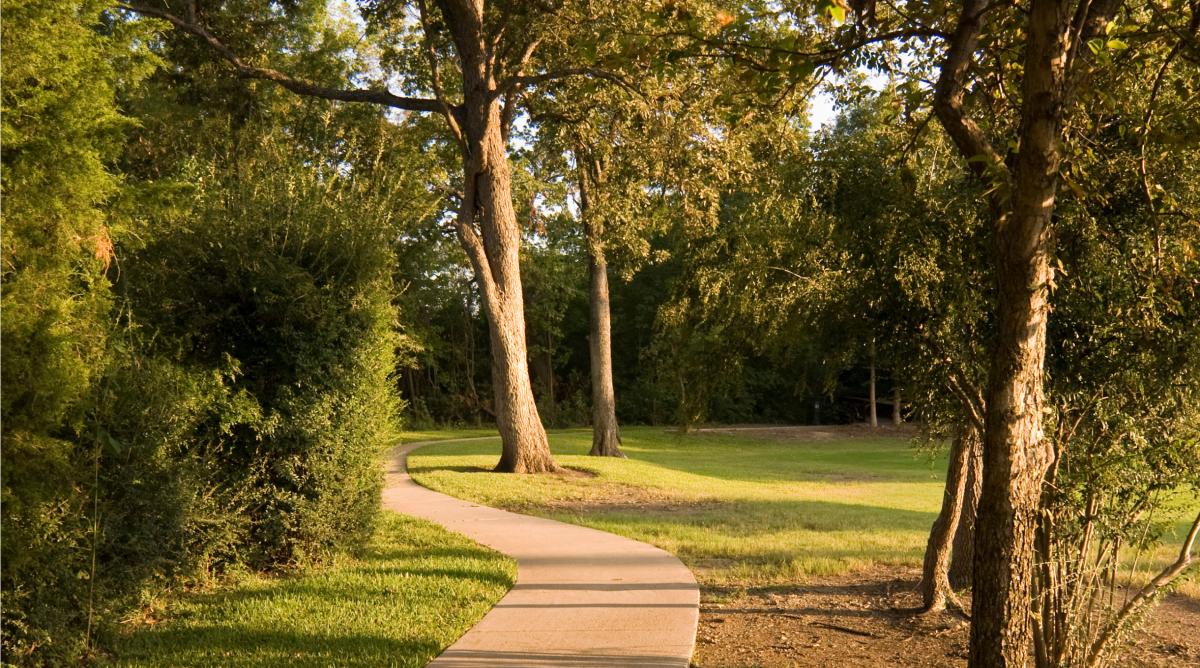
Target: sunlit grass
414,590
738,510
442,434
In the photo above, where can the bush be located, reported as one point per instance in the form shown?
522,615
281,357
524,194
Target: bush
278,277
60,129
223,402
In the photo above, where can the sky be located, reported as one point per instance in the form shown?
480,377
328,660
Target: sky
822,109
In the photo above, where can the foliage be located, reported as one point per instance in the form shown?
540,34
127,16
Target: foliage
225,403
1124,366
61,129
295,301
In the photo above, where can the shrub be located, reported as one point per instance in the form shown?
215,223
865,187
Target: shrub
281,275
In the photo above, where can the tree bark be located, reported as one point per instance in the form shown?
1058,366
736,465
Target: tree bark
488,231
874,415
963,555
606,435
897,419
935,577
1015,452
551,402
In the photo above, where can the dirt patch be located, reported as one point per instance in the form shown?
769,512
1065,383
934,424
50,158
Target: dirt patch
810,434
854,621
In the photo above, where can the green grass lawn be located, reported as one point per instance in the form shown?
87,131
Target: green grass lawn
446,433
738,510
735,509
414,590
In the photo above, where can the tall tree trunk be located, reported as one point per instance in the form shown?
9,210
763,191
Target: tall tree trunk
606,435
897,419
874,415
963,555
935,576
488,231
1015,454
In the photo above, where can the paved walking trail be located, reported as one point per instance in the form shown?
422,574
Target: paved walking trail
583,597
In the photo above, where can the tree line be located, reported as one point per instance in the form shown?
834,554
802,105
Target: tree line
236,234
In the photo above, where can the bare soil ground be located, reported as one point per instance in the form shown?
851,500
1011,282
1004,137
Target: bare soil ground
857,621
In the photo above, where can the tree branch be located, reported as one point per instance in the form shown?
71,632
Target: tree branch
519,81
298,86
435,72
509,110
1145,595
951,87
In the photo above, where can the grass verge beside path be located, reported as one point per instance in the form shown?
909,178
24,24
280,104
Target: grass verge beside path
412,592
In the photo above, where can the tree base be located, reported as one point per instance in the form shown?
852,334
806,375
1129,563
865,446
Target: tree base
606,443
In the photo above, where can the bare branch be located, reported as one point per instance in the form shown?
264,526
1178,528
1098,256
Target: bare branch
1145,596
435,71
298,86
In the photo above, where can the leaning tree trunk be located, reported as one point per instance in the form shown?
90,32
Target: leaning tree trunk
487,228
606,435
935,577
1015,453
963,555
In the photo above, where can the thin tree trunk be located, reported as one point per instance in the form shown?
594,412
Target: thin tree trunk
874,415
935,576
963,555
896,417
488,231
551,402
606,435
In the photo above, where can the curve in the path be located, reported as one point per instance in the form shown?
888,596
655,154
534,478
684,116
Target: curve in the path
583,597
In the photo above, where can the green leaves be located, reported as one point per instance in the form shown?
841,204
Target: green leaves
833,10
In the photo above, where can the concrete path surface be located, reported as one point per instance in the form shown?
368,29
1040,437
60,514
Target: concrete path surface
583,597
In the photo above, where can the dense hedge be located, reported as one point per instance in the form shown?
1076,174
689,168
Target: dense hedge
202,383
277,283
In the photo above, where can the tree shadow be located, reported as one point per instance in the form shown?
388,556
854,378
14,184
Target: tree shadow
317,618
207,646
755,532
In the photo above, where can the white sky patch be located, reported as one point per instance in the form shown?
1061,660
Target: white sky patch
822,109
823,106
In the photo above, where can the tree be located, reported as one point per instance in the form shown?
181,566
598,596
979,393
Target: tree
984,98
491,53
61,132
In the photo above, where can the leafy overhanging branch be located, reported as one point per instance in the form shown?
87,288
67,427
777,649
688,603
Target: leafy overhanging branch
293,84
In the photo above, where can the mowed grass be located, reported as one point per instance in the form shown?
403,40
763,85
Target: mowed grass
412,592
739,510
446,433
